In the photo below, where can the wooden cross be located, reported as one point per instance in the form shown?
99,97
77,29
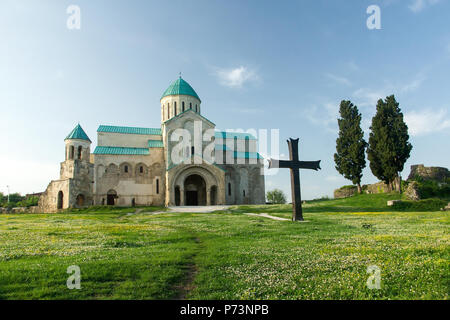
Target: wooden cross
294,164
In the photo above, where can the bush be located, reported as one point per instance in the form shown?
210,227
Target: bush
421,205
276,196
432,189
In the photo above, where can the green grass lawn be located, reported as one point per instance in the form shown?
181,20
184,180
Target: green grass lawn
228,255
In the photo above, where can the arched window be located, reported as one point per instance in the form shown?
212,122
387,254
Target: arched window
80,149
229,188
72,152
141,169
196,109
243,193
182,104
125,169
175,107
157,186
190,105
192,150
60,204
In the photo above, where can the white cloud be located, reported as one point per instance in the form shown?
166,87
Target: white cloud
414,84
237,77
418,5
325,116
352,66
339,79
427,121
366,97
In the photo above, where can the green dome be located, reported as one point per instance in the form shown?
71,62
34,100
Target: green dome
180,86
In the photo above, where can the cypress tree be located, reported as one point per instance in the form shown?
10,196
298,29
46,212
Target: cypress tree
350,145
389,147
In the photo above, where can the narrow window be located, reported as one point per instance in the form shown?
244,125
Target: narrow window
72,152
157,186
192,150
175,107
141,169
196,109
168,110
126,169
229,188
190,105
79,152
244,193
247,149
182,105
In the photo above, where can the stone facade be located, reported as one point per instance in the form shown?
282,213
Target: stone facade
412,191
74,189
159,166
429,173
345,192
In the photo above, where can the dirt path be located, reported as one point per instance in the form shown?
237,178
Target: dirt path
265,215
191,272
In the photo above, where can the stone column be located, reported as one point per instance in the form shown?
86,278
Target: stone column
182,197
208,197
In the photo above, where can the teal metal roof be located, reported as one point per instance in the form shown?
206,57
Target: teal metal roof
155,144
221,147
78,133
180,86
232,135
247,155
129,130
121,150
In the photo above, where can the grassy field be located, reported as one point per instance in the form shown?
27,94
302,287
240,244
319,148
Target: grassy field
228,255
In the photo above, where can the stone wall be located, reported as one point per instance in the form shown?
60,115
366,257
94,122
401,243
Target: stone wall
379,187
345,192
130,183
429,173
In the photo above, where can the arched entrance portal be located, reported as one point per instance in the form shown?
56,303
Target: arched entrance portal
213,195
111,197
80,200
177,196
195,189
60,200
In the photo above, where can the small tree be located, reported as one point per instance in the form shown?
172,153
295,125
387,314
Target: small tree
389,147
276,196
350,145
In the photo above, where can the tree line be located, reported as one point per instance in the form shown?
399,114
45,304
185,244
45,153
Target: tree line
388,147
17,200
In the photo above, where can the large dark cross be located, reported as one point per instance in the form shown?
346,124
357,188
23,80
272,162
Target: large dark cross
294,164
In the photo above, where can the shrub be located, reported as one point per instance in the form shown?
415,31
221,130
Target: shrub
276,196
421,205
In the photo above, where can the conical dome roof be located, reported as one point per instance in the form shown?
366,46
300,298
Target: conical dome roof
178,87
78,133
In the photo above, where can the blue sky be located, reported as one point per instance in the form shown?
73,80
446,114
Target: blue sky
255,64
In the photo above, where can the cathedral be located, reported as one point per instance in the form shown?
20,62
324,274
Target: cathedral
185,162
